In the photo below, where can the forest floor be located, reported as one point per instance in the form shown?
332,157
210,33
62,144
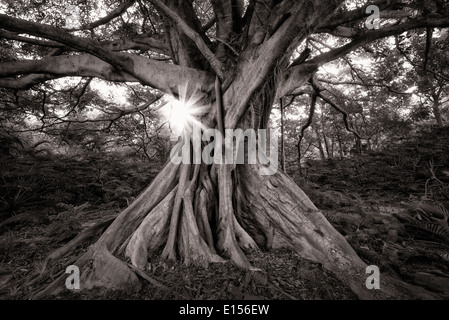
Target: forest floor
377,200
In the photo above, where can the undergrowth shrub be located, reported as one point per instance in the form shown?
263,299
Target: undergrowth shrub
33,183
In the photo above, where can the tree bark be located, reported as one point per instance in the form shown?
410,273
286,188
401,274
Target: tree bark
201,214
437,112
282,136
340,144
320,146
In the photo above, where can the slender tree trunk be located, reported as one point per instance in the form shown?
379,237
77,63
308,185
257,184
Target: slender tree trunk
325,139
282,155
298,149
340,147
332,147
326,145
437,112
368,146
358,146
320,146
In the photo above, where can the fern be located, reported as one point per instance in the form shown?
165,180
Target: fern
72,208
65,206
432,210
436,228
445,256
439,249
433,218
432,245
71,211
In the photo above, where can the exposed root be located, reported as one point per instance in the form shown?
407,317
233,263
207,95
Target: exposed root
227,242
128,221
147,277
85,235
193,249
169,251
277,201
98,268
202,219
265,212
244,239
152,232
192,244
71,246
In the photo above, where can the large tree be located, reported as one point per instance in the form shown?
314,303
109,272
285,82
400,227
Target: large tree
235,59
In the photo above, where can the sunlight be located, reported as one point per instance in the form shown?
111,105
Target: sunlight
185,112
181,114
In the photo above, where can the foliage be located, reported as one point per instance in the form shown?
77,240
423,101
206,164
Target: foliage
36,183
398,171
433,218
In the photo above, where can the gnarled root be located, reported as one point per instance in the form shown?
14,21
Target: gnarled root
276,203
253,212
227,242
98,266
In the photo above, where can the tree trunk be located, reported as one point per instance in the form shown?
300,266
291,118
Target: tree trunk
320,146
340,146
264,212
332,147
298,149
358,146
325,141
326,145
205,213
437,112
282,156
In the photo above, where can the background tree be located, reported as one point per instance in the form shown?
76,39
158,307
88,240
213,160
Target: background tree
429,74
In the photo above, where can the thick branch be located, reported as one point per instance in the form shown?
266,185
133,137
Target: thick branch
293,78
155,43
223,15
14,36
341,18
163,76
296,76
340,31
304,18
80,65
193,35
57,34
26,82
145,70
373,35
